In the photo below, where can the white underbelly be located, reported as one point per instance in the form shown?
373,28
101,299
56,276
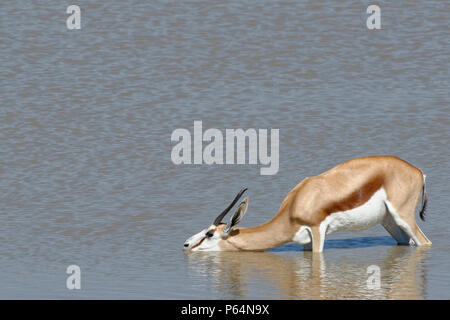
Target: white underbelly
363,217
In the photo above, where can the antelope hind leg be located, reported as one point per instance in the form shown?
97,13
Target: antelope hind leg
394,230
408,225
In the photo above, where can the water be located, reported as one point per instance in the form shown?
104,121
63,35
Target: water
86,117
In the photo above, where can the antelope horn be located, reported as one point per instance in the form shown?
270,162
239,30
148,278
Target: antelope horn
223,214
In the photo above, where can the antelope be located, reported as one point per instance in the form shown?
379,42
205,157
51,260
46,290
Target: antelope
355,195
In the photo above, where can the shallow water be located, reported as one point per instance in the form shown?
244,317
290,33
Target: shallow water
86,118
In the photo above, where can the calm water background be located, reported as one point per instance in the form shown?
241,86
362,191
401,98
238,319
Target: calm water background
86,118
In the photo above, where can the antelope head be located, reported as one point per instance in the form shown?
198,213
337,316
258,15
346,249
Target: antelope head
208,239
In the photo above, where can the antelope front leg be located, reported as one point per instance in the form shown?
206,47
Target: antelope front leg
318,239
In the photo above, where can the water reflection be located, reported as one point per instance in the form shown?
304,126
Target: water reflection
307,275
357,242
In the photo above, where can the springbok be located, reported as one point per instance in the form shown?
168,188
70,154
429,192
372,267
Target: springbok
355,195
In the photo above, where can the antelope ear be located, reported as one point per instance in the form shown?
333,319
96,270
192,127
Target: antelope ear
237,216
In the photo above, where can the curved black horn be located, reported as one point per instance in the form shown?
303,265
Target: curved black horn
223,214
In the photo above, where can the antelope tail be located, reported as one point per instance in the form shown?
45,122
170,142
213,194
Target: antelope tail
424,200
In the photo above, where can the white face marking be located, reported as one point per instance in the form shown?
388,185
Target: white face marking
201,242
209,244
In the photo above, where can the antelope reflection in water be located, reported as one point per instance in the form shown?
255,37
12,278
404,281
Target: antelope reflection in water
309,275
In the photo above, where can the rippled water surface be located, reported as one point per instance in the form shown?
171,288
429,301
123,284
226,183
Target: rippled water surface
86,118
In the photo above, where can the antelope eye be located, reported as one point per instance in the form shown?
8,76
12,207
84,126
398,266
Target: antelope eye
209,234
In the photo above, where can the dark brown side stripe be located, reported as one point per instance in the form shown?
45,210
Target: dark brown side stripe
198,243
356,198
